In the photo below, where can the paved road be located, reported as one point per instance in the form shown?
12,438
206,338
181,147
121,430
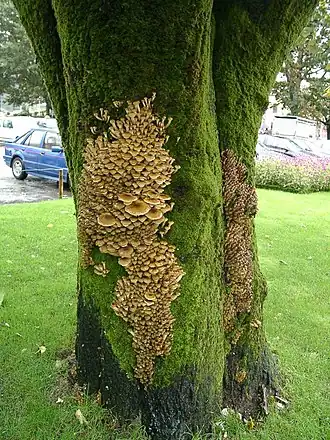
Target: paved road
31,189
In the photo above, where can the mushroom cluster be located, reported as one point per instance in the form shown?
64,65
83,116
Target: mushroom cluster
240,204
101,269
143,301
122,208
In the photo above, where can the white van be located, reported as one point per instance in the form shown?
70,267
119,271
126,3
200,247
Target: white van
13,126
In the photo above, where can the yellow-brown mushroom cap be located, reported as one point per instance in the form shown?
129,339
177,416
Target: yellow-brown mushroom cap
139,207
124,261
154,214
127,198
125,252
106,219
152,201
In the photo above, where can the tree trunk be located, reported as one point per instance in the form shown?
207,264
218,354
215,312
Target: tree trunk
328,131
245,68
193,340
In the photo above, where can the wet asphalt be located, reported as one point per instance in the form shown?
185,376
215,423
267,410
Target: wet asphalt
32,189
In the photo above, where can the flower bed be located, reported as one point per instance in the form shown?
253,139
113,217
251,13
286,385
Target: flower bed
302,174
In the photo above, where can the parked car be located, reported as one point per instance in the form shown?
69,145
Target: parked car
275,147
265,152
38,152
289,146
13,126
321,147
307,146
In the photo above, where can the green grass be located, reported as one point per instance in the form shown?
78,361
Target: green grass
37,277
294,246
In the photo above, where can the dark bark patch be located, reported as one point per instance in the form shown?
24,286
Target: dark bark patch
88,345
117,390
98,368
168,413
260,379
175,412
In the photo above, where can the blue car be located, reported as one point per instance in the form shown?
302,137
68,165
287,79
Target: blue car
38,152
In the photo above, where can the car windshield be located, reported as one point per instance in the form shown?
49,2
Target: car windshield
302,144
20,139
276,142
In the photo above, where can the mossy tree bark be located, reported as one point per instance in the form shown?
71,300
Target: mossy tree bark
211,66
249,48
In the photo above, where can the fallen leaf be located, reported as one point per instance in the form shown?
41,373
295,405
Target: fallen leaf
18,334
9,262
50,225
282,400
309,258
250,423
4,324
41,349
240,376
42,268
2,295
59,400
284,262
81,418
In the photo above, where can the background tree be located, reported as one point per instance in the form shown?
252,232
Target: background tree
212,66
306,71
20,78
317,103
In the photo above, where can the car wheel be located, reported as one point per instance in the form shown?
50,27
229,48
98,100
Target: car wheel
17,168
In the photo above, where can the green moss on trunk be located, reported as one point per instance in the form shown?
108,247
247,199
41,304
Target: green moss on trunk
176,64
249,49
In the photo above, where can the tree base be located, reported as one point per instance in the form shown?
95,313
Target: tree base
249,394
169,413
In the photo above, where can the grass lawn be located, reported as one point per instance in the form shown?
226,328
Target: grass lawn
37,279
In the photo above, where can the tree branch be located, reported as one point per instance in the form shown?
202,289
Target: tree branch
282,15
38,18
252,37
320,120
